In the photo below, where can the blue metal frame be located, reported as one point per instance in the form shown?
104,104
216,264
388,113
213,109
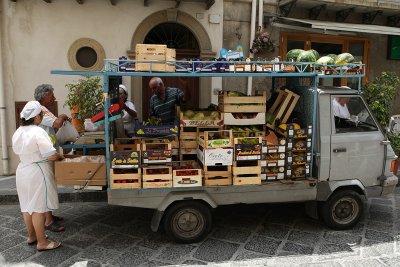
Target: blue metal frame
302,69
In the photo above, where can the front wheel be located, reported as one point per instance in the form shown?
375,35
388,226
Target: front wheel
342,210
187,221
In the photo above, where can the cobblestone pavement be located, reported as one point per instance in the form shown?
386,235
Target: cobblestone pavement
243,235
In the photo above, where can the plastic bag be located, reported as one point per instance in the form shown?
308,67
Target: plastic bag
67,133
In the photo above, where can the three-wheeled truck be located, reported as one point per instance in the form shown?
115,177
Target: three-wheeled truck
350,157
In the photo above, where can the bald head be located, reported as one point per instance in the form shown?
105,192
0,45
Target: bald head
157,86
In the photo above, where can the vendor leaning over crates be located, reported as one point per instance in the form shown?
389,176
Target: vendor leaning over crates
164,100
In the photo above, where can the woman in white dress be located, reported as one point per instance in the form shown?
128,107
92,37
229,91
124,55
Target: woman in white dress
37,190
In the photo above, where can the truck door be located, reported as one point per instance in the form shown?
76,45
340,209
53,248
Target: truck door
356,150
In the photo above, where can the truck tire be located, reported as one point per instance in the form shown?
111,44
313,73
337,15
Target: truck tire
187,221
342,210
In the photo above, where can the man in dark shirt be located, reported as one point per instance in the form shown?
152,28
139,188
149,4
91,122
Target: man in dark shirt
164,100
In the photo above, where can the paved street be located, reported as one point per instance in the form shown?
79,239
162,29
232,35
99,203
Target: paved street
258,235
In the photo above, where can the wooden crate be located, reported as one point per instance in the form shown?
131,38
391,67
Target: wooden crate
215,139
283,106
131,180
155,52
181,178
215,156
156,151
243,119
207,121
157,184
217,175
249,167
188,140
150,173
244,104
125,144
248,148
248,174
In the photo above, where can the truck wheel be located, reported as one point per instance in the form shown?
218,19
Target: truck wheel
342,210
187,222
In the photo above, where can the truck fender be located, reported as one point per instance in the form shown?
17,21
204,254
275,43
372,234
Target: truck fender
178,196
326,188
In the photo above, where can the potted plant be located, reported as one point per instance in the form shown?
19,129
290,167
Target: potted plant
82,99
379,95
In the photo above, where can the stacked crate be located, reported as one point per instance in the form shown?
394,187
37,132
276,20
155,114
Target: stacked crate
247,165
298,152
186,174
282,107
125,172
243,110
156,154
145,52
215,152
273,160
190,128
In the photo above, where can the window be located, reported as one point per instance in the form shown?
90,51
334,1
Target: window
86,54
351,115
328,44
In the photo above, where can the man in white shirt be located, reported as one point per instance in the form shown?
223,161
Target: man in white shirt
340,107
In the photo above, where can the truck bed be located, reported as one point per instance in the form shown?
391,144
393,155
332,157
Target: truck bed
270,192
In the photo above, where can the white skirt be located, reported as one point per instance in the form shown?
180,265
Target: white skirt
36,187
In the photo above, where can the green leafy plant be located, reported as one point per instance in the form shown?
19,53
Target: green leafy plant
395,142
379,95
83,96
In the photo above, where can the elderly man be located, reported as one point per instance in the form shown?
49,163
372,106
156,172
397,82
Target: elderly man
340,107
164,100
44,94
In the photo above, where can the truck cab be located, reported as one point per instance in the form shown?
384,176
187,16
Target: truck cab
353,156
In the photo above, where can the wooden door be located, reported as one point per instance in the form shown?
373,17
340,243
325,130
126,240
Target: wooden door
189,86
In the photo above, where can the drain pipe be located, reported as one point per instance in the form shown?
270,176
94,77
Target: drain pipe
252,34
3,124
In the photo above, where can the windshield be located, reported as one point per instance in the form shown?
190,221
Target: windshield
351,115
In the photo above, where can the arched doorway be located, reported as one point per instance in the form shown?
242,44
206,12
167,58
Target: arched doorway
184,42
173,16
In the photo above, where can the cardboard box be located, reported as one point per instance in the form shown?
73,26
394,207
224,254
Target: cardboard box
215,156
80,173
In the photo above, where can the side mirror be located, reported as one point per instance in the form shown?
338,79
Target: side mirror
394,124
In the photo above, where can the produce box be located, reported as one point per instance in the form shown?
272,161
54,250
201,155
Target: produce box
273,159
125,159
248,173
155,130
217,175
215,139
272,173
187,177
125,153
297,171
244,118
125,178
234,102
200,118
247,148
298,158
298,144
188,140
282,107
81,170
155,53
157,176
215,156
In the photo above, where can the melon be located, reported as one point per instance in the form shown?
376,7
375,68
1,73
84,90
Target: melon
316,54
333,56
344,58
293,54
325,60
306,56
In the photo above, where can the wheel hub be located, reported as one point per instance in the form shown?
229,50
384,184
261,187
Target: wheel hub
187,222
345,210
